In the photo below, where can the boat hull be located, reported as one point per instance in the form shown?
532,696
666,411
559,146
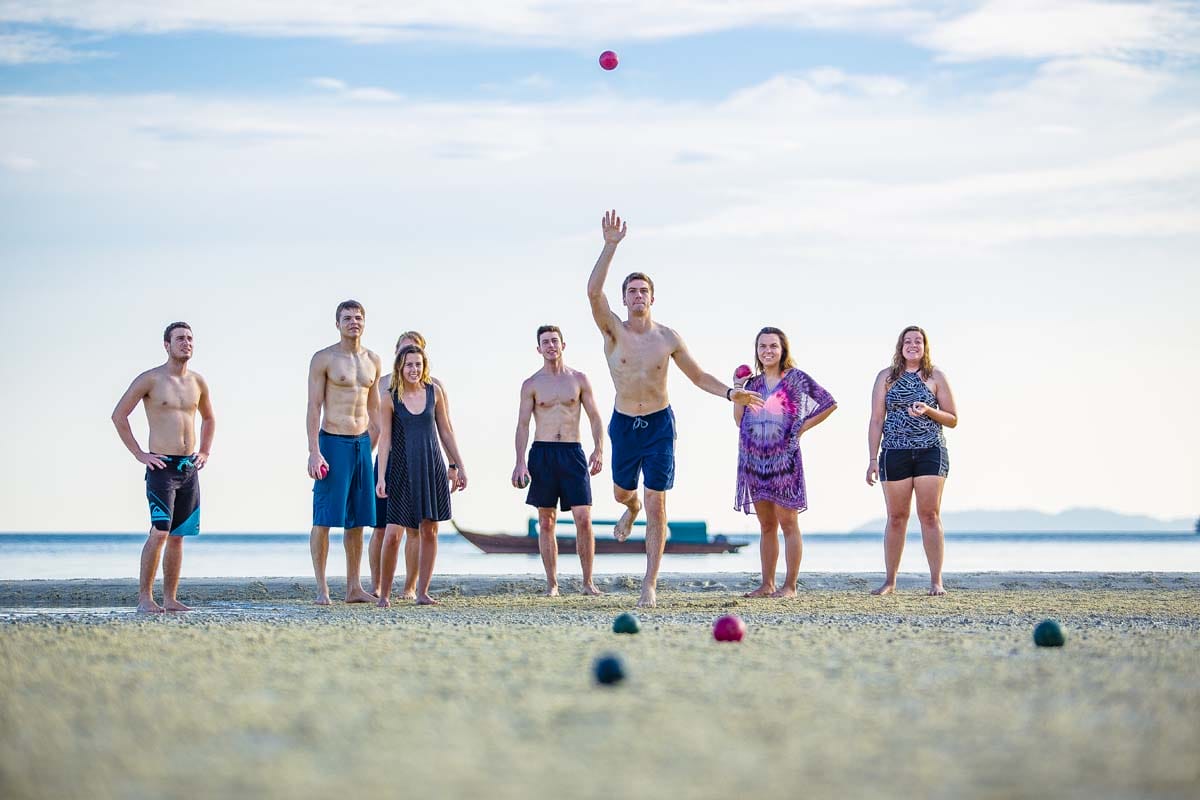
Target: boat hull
508,543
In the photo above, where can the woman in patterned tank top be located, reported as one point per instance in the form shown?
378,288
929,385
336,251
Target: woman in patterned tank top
910,405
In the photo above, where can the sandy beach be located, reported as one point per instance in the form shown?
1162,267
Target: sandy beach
834,694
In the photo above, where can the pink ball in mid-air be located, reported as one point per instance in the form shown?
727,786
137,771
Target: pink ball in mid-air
608,60
742,372
729,628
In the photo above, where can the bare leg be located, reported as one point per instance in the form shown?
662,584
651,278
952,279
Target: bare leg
548,546
318,545
172,564
412,560
585,545
151,551
374,554
389,554
793,550
898,496
929,511
768,547
629,499
656,542
352,541
428,555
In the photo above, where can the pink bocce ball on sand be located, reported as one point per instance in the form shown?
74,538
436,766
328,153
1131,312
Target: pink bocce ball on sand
729,628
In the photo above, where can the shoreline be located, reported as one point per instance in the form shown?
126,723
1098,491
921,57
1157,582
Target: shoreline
97,592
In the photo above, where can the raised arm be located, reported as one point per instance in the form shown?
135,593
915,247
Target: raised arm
208,424
588,398
316,397
875,427
739,410
614,231
120,417
385,444
520,475
458,474
689,367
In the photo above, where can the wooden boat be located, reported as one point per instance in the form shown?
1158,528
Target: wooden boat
684,538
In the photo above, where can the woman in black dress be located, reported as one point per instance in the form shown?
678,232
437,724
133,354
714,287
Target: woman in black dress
413,474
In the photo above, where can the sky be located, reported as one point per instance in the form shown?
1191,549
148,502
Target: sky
1021,179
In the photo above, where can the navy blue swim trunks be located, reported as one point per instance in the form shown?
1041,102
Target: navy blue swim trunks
645,444
902,464
174,496
345,498
559,476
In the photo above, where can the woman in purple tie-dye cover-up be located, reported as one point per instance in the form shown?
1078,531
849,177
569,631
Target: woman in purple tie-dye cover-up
770,477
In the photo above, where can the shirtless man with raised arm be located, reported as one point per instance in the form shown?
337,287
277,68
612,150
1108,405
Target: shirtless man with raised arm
556,472
171,395
343,380
642,428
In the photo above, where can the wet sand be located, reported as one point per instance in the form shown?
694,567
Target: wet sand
834,694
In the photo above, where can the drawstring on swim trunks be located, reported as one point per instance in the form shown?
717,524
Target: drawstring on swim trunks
640,422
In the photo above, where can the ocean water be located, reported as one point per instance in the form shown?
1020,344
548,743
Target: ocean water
115,555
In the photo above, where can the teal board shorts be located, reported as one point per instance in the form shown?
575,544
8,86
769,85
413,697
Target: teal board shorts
174,496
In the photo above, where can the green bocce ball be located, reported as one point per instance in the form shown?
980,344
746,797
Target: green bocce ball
626,623
1048,633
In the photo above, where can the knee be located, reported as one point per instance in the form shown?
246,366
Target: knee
157,536
897,517
930,517
623,496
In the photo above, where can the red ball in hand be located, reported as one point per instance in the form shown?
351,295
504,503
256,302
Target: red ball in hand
742,372
608,60
322,472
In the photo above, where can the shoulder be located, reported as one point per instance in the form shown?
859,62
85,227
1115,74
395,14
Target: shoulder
882,376
938,375
148,379
321,357
385,382
579,377
669,334
437,383
199,380
530,383
371,354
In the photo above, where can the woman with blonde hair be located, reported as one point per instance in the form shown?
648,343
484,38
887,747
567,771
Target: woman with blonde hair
910,405
414,476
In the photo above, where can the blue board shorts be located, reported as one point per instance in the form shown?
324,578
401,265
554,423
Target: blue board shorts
345,497
174,496
559,476
645,444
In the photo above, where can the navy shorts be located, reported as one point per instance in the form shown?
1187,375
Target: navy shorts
174,496
345,498
645,444
559,476
900,465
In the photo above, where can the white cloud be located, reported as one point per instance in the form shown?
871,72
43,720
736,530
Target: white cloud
369,94
18,163
40,48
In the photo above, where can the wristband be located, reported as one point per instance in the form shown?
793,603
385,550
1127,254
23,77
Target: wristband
729,394
453,466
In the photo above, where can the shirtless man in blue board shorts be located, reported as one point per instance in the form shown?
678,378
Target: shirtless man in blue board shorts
171,395
642,429
343,416
556,472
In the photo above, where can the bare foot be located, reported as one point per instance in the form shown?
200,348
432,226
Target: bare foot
649,598
590,588
322,598
786,591
174,605
357,595
384,603
426,600
624,525
551,591
764,590
886,588
148,606
411,594
936,590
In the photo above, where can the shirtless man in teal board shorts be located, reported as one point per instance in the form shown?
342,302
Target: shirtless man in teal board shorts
171,395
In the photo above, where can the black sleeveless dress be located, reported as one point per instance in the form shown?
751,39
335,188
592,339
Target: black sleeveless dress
418,487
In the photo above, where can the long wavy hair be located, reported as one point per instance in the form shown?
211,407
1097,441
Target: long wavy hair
397,366
898,364
785,358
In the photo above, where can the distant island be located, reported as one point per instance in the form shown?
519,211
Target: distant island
1090,520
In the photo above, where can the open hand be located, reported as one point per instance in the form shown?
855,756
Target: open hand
152,461
613,227
596,462
745,398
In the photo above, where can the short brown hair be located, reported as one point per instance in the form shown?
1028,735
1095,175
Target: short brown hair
550,329
345,304
636,276
173,326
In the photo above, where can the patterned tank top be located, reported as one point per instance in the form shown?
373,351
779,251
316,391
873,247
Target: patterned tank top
902,431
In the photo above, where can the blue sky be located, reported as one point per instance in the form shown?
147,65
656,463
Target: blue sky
1020,178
